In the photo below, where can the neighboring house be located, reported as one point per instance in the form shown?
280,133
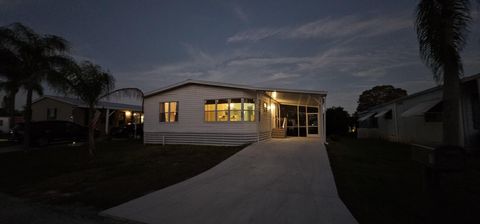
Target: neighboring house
73,109
417,118
4,124
212,113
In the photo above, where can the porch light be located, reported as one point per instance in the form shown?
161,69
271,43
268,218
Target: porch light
274,94
128,113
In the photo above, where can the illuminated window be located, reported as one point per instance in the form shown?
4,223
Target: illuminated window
222,110
248,110
233,110
236,110
169,111
209,110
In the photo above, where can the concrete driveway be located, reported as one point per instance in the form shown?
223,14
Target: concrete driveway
275,181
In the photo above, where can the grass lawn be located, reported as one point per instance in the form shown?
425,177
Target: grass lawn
120,171
380,183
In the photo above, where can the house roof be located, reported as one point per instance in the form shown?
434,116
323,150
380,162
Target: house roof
421,108
101,104
433,89
229,85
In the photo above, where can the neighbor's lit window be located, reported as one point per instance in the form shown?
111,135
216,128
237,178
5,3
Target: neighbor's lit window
233,110
169,111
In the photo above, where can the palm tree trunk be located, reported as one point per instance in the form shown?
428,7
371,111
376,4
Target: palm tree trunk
91,131
11,107
451,106
28,119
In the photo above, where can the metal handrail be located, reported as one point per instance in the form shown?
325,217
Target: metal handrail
284,123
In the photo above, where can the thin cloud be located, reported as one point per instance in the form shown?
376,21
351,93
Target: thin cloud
255,35
240,13
328,28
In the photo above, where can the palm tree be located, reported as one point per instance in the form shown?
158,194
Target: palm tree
442,27
89,82
10,73
40,57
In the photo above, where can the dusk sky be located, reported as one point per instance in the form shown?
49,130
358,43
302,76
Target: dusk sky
341,46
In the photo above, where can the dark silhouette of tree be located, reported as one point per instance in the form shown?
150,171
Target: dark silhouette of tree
442,27
39,58
10,74
337,121
378,95
90,83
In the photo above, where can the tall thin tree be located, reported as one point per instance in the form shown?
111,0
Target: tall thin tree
89,82
442,27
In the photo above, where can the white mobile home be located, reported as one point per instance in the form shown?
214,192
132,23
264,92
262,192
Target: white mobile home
417,118
212,113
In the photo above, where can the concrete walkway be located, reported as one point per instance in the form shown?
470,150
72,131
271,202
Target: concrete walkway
275,181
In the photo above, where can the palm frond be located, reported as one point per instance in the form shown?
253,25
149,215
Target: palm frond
89,82
55,43
442,27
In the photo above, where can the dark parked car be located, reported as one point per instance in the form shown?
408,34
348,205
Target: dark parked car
46,132
127,131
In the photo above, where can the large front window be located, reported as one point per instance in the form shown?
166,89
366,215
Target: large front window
168,111
209,109
249,110
234,110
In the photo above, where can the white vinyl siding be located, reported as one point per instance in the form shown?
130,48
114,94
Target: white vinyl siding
192,100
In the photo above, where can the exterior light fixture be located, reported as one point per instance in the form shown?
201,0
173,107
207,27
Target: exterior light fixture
274,94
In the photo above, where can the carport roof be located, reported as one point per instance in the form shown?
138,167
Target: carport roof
100,105
235,86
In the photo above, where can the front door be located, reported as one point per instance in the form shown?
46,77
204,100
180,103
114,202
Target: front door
312,125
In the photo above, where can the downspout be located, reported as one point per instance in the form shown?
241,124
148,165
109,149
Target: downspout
257,108
324,129
270,112
395,123
107,113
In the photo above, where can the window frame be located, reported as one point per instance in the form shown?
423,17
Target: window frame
229,102
54,117
214,110
230,109
253,111
166,115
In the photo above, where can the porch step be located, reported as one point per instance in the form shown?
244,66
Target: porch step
279,133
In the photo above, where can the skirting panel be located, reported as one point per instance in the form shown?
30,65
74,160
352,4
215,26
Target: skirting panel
228,139
265,135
